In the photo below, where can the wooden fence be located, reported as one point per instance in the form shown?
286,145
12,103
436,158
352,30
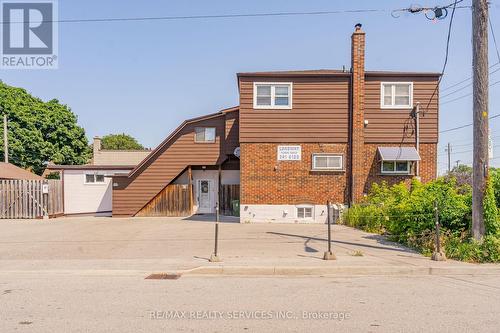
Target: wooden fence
228,194
173,200
24,199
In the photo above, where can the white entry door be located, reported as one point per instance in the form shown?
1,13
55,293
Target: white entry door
205,200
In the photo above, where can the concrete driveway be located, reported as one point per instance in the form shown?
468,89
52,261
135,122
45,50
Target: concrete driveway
88,275
162,244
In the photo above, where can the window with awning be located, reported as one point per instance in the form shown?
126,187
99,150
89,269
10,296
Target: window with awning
397,160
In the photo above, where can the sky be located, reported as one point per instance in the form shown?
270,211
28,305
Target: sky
145,78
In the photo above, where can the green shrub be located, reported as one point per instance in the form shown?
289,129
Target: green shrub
495,177
470,250
406,214
491,221
368,218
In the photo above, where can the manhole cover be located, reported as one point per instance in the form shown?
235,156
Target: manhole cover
163,276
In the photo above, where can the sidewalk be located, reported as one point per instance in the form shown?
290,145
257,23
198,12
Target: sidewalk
141,246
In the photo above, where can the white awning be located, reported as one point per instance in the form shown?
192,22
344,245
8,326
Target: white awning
398,154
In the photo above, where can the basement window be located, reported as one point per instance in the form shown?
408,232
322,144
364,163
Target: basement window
304,212
94,178
272,95
204,134
396,167
327,162
396,95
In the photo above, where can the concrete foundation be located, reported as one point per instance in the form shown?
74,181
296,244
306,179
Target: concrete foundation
281,213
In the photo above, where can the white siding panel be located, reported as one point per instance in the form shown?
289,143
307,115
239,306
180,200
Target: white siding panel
81,198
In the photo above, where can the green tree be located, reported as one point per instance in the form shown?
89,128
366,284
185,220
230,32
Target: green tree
462,173
40,131
120,142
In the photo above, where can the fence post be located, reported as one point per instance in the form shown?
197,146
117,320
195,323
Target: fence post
328,255
438,254
45,199
215,256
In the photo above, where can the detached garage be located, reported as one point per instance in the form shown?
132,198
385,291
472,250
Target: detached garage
87,188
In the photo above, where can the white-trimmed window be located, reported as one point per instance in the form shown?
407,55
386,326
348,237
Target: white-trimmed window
304,212
94,178
327,162
396,167
396,95
272,95
204,134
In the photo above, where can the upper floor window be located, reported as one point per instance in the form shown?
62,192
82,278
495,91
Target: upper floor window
327,162
204,134
272,95
94,178
396,95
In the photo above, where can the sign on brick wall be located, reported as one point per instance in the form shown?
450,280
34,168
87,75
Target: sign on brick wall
289,153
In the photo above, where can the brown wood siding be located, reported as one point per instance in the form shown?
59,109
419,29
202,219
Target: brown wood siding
173,200
386,125
320,108
232,134
131,194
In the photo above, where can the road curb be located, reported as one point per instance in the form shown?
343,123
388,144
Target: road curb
337,271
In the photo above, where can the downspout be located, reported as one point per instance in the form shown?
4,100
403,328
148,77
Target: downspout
417,138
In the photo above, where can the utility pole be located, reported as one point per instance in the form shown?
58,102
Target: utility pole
480,113
448,150
5,139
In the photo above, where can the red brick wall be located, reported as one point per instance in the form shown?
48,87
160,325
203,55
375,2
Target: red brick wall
267,181
428,165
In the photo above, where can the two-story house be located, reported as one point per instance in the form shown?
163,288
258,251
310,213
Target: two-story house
296,140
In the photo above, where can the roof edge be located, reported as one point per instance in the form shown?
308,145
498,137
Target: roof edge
334,73
87,167
177,130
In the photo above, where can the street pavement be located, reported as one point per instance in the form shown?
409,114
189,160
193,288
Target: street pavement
89,275
107,303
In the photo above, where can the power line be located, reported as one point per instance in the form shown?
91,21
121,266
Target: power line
464,126
226,16
201,17
462,145
467,95
468,85
439,12
470,77
494,38
464,151
467,79
446,54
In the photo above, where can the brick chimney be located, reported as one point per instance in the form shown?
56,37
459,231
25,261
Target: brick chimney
96,145
358,114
